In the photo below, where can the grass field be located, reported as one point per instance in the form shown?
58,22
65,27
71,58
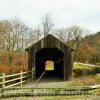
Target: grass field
78,66
83,80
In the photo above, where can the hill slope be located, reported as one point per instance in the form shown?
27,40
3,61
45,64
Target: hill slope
89,49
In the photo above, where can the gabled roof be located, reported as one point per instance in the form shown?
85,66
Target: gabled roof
50,36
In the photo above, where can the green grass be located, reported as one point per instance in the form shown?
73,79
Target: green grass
78,66
98,75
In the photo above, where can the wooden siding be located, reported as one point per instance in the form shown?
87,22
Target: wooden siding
51,42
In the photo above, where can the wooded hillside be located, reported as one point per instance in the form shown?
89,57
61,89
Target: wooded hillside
89,49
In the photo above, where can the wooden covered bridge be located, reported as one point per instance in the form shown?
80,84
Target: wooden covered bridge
50,58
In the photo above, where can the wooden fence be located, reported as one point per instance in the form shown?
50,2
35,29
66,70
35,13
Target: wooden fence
32,91
7,81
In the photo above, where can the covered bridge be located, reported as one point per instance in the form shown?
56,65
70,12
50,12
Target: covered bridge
52,56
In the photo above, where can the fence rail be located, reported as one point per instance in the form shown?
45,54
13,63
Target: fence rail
27,91
7,81
84,64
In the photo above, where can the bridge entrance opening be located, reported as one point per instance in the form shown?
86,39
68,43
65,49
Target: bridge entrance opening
50,61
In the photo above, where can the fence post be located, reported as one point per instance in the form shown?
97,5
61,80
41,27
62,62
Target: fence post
1,92
3,79
21,77
3,84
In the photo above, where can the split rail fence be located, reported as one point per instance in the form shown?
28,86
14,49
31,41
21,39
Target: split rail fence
7,81
32,91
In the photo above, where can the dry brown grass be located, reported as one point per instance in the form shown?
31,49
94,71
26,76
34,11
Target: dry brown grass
85,80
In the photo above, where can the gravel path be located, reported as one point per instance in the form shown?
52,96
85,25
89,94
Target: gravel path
47,84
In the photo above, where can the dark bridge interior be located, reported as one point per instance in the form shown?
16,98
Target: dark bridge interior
52,54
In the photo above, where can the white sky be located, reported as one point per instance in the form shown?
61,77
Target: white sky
85,13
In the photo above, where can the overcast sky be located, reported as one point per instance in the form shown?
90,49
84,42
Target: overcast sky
85,13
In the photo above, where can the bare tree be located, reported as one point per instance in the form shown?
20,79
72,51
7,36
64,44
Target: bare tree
46,25
74,38
8,36
61,34
14,31
1,37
